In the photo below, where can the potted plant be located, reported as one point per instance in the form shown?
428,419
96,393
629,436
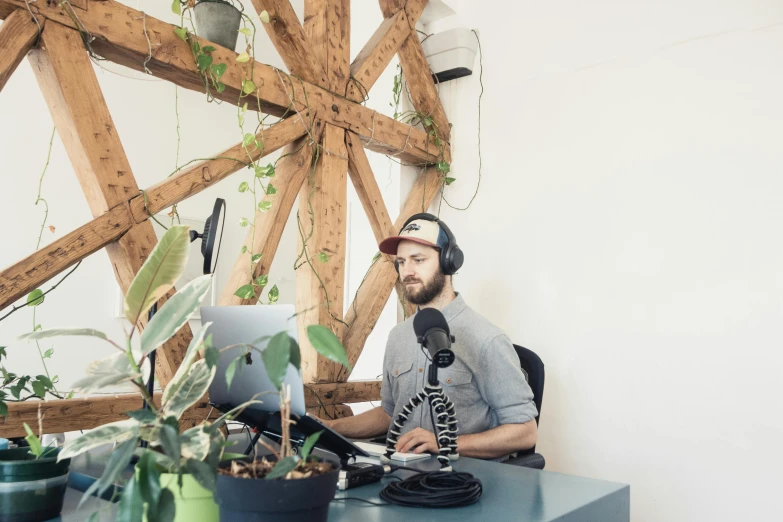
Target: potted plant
284,486
32,481
218,21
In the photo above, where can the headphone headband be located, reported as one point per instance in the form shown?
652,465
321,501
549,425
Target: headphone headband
451,257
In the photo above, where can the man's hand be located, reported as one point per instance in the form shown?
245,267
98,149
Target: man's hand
418,440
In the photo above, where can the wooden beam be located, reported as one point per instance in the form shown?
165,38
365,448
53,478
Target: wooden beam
18,34
424,92
121,32
64,415
330,393
376,54
67,79
288,37
328,26
44,264
322,223
377,286
367,189
264,237
28,274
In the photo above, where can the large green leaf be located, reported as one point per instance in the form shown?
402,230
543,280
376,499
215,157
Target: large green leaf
202,472
169,441
118,461
58,332
327,344
106,372
119,431
158,273
190,390
187,361
148,479
282,468
194,443
166,508
309,444
276,356
174,313
131,507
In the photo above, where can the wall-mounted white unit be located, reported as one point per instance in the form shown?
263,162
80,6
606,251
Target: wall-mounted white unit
451,54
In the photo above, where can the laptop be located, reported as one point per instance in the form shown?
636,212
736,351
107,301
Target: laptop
233,325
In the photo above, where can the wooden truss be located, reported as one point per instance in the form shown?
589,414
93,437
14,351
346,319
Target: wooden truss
332,119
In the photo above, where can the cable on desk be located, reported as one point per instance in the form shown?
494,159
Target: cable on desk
434,489
361,500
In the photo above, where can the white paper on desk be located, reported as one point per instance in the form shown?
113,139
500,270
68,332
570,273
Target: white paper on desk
376,450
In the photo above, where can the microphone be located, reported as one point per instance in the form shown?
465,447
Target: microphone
432,332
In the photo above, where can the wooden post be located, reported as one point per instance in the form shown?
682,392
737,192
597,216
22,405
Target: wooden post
17,36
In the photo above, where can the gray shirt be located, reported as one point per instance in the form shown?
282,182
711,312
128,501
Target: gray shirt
485,382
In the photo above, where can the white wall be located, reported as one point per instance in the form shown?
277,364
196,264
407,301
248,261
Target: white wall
626,229
143,111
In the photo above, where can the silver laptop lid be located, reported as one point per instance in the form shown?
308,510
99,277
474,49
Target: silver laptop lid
245,324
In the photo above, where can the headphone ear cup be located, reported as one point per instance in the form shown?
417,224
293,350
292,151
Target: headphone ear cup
397,266
457,259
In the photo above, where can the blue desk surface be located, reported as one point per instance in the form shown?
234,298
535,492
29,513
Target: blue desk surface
510,493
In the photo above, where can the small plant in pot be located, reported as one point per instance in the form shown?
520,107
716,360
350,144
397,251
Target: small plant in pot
218,21
32,481
175,465
283,486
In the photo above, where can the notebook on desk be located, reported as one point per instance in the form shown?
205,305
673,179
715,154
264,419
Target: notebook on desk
376,450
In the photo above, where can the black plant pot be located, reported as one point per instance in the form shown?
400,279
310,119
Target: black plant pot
277,500
31,490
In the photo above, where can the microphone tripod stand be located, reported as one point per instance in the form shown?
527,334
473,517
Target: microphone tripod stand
445,420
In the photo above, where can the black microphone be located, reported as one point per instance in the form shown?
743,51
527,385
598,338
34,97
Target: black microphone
432,332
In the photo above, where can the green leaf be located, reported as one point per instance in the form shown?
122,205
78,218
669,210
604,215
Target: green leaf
195,46
282,468
243,222
17,388
204,61
262,280
59,332
148,478
169,441
131,506
242,58
119,431
182,33
376,257
276,356
118,460
245,292
323,257
194,443
35,443
166,507
443,167
296,355
184,367
143,416
449,181
202,472
327,344
106,372
48,354
264,206
190,390
244,249
35,297
208,49
220,86
274,294
39,389
175,313
246,31
256,258
243,188
427,121
176,7
248,139
3,409
309,444
270,189
264,16
248,87
211,355
232,456
233,368
219,69
159,272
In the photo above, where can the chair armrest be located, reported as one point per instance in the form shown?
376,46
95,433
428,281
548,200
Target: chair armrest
531,460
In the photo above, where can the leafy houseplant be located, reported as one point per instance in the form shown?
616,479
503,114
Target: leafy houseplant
32,481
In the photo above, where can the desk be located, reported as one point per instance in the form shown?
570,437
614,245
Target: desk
510,493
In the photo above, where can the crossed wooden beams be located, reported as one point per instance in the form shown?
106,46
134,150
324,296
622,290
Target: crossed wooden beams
324,120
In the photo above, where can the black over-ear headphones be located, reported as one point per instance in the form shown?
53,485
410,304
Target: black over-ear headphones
451,256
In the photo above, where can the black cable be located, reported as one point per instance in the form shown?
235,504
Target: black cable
360,500
434,489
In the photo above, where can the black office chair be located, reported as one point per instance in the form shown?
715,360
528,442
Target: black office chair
533,368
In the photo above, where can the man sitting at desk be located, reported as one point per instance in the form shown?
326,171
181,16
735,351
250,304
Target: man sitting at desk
493,402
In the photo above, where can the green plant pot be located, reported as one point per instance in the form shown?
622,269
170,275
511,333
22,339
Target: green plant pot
193,502
31,490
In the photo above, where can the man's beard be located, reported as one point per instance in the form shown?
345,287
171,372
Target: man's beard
428,291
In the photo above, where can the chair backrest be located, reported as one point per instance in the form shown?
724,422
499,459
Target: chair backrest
533,368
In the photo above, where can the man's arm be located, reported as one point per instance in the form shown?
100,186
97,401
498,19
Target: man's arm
363,426
490,444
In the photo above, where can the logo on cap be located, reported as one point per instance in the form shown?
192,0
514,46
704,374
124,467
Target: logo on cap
411,228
